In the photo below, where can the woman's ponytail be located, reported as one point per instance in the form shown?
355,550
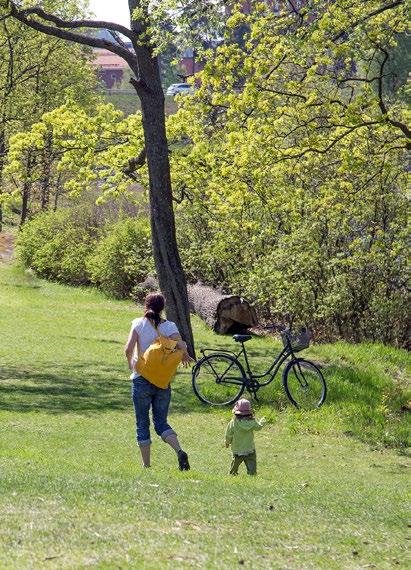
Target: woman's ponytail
153,305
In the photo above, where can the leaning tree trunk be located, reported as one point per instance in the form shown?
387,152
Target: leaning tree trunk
223,313
169,269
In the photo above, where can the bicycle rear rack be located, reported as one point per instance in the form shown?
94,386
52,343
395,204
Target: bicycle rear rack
218,350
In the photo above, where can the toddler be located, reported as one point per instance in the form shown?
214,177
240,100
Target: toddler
240,435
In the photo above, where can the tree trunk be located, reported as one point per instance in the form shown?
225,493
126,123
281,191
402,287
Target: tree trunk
223,313
166,256
169,269
46,175
26,191
2,153
25,202
56,198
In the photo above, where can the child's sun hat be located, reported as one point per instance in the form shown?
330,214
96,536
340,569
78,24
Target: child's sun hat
242,408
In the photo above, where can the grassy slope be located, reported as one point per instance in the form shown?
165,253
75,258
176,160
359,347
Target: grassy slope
72,493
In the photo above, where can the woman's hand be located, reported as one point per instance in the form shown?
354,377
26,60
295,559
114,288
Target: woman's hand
181,345
186,360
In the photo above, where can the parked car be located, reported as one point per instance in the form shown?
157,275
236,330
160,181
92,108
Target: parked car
176,88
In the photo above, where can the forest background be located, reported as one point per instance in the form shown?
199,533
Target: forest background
288,163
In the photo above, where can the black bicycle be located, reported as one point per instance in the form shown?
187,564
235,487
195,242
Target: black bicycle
219,378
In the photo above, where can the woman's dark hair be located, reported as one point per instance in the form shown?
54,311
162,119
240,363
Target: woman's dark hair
153,305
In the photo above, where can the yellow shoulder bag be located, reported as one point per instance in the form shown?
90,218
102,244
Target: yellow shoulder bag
159,362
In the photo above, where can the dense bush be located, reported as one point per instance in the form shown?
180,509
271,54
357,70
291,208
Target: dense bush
75,246
342,271
122,258
56,244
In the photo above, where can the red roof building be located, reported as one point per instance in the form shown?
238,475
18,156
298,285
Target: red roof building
110,67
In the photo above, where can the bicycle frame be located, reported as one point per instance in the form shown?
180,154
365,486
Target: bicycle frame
250,377
228,367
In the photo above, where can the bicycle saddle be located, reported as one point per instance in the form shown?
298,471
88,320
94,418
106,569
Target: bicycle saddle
241,337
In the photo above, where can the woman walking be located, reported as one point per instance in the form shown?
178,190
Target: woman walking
144,331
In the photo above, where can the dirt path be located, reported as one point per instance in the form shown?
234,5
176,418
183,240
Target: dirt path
6,247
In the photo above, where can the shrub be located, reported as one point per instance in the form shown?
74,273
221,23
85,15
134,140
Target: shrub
70,247
122,258
56,244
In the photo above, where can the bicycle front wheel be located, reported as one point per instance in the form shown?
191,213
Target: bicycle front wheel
304,384
218,379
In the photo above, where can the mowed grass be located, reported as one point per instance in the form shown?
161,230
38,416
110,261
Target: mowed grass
329,492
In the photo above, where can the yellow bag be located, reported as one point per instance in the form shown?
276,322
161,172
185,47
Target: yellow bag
159,363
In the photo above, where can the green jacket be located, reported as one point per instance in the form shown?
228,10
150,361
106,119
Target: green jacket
240,434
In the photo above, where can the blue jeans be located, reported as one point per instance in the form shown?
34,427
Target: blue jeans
146,395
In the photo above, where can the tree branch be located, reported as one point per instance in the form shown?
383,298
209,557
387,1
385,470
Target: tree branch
60,23
63,34
328,147
368,17
135,164
382,105
3,18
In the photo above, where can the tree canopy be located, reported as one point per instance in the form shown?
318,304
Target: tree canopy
29,82
288,163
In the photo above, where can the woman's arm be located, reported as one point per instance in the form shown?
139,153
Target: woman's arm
181,345
129,348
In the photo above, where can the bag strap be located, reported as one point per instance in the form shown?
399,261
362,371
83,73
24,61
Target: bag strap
157,331
155,328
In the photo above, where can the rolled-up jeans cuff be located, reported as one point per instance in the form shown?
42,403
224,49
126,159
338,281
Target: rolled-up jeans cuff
166,433
144,442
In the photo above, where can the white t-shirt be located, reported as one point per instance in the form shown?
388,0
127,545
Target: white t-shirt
147,334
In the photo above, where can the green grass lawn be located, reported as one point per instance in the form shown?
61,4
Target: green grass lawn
331,485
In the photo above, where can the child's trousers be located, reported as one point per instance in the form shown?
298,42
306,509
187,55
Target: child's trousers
250,461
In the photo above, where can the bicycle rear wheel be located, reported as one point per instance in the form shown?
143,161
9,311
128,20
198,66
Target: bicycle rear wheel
304,384
218,379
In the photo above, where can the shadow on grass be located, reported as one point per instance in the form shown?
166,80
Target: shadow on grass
80,389
89,339
86,389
